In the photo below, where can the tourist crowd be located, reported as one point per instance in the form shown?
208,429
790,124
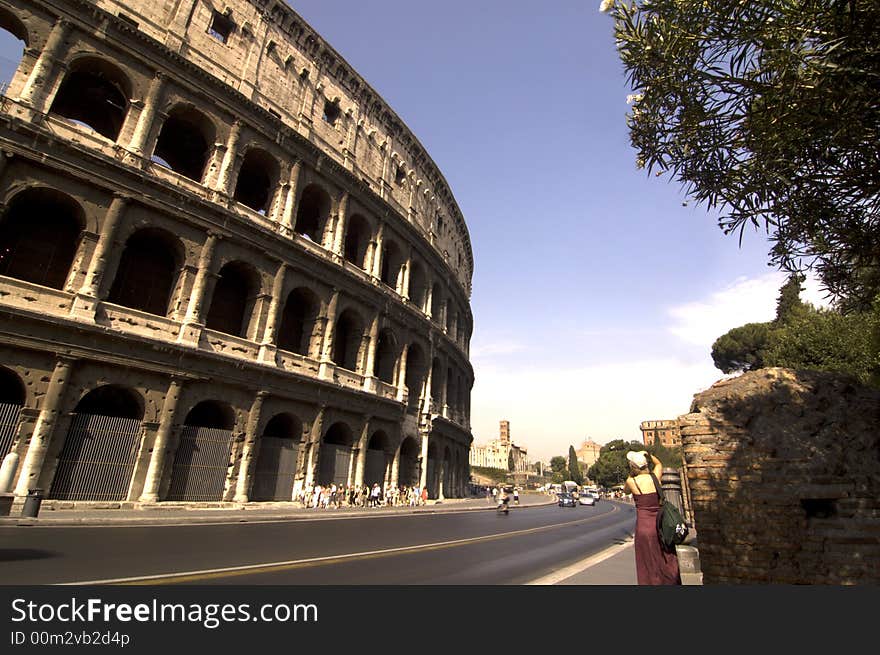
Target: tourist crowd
334,496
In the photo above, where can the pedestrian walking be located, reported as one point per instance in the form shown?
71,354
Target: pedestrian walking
654,566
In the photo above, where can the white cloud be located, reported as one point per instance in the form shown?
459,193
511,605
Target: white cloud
747,300
496,347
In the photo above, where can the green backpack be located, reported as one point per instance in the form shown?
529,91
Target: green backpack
671,527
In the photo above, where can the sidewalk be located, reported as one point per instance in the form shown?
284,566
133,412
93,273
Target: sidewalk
55,513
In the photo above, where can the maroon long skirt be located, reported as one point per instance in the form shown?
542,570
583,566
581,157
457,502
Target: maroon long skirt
654,566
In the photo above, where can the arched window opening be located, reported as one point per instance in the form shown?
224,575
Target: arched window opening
437,382
12,397
415,372
386,357
211,414
298,321
184,142
111,400
391,263
418,286
347,340
375,462
436,302
314,209
357,236
335,455
99,452
408,464
233,299
332,112
147,272
201,462
257,179
39,236
95,94
451,319
13,41
275,468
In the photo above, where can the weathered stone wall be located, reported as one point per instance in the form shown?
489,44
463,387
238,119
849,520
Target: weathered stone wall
784,473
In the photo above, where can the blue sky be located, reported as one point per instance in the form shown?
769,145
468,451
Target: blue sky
596,293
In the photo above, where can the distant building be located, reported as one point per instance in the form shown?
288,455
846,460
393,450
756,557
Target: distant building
665,433
501,453
587,454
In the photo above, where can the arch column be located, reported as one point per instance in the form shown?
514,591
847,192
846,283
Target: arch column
87,297
43,78
246,465
362,454
194,319
370,365
377,252
32,467
429,296
341,222
401,377
404,282
326,367
314,447
160,445
268,347
227,166
147,116
285,225
423,473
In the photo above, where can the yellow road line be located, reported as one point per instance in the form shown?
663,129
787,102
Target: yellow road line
254,569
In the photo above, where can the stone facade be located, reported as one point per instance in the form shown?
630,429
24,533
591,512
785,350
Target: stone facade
664,432
784,479
218,242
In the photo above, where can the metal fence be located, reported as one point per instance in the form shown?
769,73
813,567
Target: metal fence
274,470
334,464
9,415
374,467
200,465
97,459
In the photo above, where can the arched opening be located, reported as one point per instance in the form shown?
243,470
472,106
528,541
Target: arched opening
94,93
436,303
202,458
233,299
433,477
275,467
386,357
451,390
391,263
12,396
376,461
357,237
451,318
447,473
408,464
39,235
298,321
335,456
347,339
147,272
418,286
184,142
312,214
415,373
13,41
257,179
101,446
437,382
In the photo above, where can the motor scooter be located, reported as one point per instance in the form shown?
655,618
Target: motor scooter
503,506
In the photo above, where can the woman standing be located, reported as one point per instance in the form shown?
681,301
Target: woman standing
654,566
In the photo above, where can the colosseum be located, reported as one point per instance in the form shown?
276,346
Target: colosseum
228,270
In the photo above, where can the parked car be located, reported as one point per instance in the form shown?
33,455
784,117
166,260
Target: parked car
565,499
586,499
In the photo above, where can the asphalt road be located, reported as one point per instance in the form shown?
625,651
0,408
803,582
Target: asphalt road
433,549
